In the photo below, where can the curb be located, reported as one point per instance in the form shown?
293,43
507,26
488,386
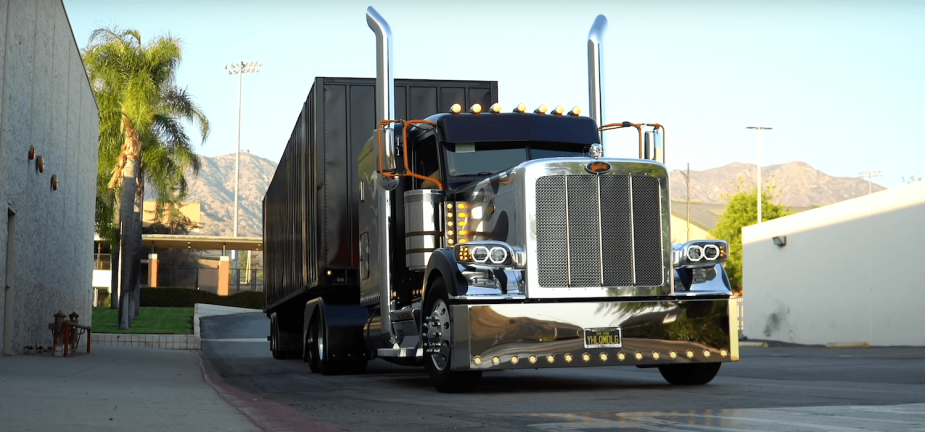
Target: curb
162,341
746,344
847,345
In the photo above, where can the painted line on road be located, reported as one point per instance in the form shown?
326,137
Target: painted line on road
263,339
265,414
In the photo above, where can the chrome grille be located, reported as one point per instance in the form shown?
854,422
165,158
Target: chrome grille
614,240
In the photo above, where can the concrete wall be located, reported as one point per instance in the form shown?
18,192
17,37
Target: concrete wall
850,272
47,104
679,230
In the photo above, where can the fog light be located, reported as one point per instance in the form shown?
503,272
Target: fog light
586,357
496,360
706,353
550,358
621,356
656,355
477,361
604,356
568,358
690,354
723,353
532,359
673,355
514,359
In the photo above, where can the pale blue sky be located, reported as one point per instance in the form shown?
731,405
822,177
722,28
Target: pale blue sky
841,83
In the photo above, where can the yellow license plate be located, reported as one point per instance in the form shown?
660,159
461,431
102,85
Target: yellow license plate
604,337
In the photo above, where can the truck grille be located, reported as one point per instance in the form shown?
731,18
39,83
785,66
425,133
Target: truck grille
614,240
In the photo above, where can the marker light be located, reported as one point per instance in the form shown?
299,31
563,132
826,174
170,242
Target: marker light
723,353
521,107
477,361
450,241
576,111
449,215
496,360
568,358
690,354
586,357
559,110
475,109
495,108
638,356
449,206
456,109
541,109
550,358
449,232
673,355
656,355
621,356
706,353
532,359
604,356
449,223
514,360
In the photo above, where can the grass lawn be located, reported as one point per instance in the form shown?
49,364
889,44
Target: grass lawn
151,320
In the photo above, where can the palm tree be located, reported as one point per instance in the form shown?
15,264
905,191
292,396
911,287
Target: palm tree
141,138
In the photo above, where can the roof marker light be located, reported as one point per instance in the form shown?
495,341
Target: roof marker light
456,109
576,111
521,107
541,109
495,108
559,110
475,109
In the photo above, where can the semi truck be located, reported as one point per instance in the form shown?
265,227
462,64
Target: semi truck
417,222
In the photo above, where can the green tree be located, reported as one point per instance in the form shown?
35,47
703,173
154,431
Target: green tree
142,138
742,211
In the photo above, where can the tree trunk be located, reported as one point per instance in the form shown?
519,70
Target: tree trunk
114,259
129,253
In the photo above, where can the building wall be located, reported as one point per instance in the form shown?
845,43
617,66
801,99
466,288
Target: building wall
850,272
679,230
47,104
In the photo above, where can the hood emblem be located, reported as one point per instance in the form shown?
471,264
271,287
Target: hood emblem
597,167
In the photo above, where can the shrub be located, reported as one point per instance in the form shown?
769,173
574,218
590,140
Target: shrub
185,297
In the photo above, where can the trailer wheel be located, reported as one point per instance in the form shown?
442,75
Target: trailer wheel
437,329
274,339
689,374
309,350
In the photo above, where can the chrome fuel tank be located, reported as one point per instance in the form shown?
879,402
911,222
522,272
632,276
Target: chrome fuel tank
423,227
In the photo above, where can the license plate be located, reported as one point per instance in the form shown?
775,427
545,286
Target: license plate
605,337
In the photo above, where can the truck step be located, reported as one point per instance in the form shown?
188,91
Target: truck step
401,352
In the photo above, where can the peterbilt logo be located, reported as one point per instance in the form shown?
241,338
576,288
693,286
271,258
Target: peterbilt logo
597,167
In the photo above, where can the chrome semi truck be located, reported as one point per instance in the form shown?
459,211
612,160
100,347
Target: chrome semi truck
476,239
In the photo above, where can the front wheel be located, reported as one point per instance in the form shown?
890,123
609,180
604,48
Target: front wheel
689,374
437,331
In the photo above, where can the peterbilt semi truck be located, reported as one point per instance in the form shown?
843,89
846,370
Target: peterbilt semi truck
417,222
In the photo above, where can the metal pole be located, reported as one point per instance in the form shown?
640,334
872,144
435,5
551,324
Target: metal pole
237,155
759,175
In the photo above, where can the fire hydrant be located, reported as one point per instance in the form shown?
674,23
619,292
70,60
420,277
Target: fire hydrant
67,333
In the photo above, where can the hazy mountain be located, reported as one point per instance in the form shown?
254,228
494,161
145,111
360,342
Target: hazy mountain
797,184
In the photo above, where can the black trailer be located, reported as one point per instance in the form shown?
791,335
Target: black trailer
310,208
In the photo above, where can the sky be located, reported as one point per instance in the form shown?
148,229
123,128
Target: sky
842,83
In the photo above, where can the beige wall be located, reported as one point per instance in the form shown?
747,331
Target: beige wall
46,103
679,230
850,272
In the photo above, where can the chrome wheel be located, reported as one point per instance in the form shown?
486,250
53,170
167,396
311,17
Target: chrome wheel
438,335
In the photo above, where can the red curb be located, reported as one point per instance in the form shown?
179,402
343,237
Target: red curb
267,415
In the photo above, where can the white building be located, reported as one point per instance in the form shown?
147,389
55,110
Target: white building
853,271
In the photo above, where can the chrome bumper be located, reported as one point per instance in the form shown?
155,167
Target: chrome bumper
530,336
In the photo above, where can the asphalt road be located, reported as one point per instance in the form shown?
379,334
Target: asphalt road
771,389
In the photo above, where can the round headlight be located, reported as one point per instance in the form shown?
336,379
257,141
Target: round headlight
480,254
498,255
695,253
711,252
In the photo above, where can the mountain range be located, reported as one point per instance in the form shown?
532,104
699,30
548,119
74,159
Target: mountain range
795,184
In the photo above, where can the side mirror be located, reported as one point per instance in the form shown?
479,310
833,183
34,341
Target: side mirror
652,148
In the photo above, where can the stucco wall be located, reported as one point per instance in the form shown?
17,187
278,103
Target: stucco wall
850,272
46,103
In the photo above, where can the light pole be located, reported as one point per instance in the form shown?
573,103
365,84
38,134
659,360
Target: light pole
239,69
687,181
760,128
869,175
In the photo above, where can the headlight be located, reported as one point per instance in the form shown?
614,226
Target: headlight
486,253
699,253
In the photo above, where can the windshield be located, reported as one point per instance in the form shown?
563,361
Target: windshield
483,158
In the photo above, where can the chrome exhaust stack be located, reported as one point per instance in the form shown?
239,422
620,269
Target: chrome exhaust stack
595,66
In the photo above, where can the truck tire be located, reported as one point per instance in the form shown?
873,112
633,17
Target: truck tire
436,332
316,345
689,374
309,350
274,339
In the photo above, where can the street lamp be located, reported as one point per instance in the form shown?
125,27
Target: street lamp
687,181
760,128
869,175
239,69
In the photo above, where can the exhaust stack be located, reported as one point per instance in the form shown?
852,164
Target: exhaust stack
385,83
595,66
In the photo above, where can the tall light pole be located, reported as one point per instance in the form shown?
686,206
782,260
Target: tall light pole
869,175
239,69
760,128
687,181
